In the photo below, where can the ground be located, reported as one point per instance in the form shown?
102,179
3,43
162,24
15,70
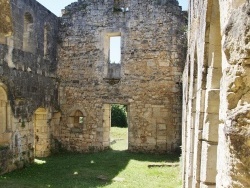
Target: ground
110,169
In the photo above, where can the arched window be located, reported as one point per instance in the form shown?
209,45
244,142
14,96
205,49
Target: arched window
28,33
47,39
78,119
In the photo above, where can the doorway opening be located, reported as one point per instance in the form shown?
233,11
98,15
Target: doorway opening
41,130
116,126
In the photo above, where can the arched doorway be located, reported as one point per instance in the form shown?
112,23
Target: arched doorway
41,133
3,113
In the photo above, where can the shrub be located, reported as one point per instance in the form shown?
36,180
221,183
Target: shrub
118,116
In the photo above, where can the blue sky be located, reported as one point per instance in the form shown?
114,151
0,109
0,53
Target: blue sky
56,6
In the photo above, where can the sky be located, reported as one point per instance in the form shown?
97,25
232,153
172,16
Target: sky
56,6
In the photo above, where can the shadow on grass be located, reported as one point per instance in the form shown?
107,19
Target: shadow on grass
80,170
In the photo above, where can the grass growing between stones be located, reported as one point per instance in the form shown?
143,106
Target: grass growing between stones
109,169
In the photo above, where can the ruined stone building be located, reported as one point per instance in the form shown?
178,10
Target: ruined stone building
57,81
147,80
216,98
28,85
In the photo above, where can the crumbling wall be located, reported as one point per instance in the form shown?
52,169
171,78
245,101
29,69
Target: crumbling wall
27,80
152,57
234,114
215,103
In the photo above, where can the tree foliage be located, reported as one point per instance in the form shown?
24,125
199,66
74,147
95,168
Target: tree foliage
118,116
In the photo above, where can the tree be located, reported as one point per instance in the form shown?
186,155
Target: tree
118,116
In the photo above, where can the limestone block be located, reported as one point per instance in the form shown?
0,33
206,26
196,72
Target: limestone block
202,100
214,77
196,161
162,127
208,162
163,64
213,101
210,128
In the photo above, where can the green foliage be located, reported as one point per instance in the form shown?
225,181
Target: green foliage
117,9
118,116
4,147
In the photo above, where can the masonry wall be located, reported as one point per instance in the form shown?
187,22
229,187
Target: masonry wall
215,103
149,76
27,81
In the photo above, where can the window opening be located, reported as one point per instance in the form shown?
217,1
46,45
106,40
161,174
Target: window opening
115,50
46,40
28,32
78,118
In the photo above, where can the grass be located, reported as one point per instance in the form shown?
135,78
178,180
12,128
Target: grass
108,169
119,136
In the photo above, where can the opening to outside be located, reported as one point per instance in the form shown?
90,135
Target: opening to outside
78,119
115,49
115,126
119,127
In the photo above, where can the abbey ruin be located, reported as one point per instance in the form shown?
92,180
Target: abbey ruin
57,82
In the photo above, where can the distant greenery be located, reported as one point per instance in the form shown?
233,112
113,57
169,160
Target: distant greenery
108,169
118,116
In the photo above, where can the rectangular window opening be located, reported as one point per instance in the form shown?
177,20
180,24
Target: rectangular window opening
115,50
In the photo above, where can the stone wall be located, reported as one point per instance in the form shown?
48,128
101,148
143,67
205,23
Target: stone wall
5,18
27,81
215,100
149,76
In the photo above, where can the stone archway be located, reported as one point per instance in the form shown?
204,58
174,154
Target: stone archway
41,133
3,113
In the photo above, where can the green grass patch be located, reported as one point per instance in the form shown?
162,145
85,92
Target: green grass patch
109,169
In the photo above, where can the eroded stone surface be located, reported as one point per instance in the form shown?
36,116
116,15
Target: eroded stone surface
216,137
152,55
26,82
